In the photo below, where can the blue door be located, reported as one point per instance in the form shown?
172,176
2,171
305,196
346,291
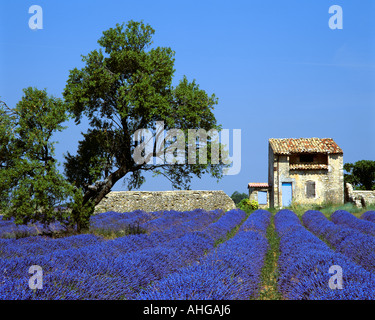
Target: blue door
286,190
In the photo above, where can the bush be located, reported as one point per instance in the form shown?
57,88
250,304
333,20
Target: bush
237,197
254,205
80,213
246,205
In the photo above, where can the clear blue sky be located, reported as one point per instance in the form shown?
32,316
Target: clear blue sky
277,68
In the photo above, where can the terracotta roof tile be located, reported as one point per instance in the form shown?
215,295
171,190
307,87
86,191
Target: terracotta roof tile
258,185
304,145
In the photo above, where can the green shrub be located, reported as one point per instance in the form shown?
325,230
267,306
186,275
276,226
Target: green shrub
247,205
237,197
80,213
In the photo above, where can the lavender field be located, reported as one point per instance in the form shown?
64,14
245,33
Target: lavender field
196,255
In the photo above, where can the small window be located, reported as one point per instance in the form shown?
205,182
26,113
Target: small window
306,158
310,189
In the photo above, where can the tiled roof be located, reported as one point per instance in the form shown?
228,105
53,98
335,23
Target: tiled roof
304,145
303,166
258,185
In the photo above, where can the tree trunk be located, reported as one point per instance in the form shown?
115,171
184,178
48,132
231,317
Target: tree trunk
104,188
97,193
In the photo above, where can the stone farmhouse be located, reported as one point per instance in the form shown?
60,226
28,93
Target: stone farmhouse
302,171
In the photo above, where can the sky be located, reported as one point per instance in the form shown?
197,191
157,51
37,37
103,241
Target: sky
277,68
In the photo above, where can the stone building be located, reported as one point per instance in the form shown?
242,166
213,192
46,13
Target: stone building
259,191
302,171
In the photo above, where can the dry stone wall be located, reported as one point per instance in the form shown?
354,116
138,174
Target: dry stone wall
181,200
361,198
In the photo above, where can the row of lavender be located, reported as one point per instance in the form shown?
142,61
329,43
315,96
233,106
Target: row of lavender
8,229
113,269
305,261
170,262
169,225
345,218
113,221
346,234
231,271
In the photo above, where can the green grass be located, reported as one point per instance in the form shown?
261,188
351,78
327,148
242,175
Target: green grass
231,233
269,274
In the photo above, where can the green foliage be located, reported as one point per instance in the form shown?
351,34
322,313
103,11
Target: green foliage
124,86
254,205
30,184
237,197
247,205
244,204
80,211
93,159
361,174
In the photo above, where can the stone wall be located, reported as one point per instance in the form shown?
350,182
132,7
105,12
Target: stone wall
253,196
329,184
272,182
184,200
361,198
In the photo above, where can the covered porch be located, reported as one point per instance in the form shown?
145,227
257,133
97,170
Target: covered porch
260,192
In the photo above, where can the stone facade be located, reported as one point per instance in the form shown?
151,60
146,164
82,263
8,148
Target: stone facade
311,167
329,183
181,200
361,198
254,189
